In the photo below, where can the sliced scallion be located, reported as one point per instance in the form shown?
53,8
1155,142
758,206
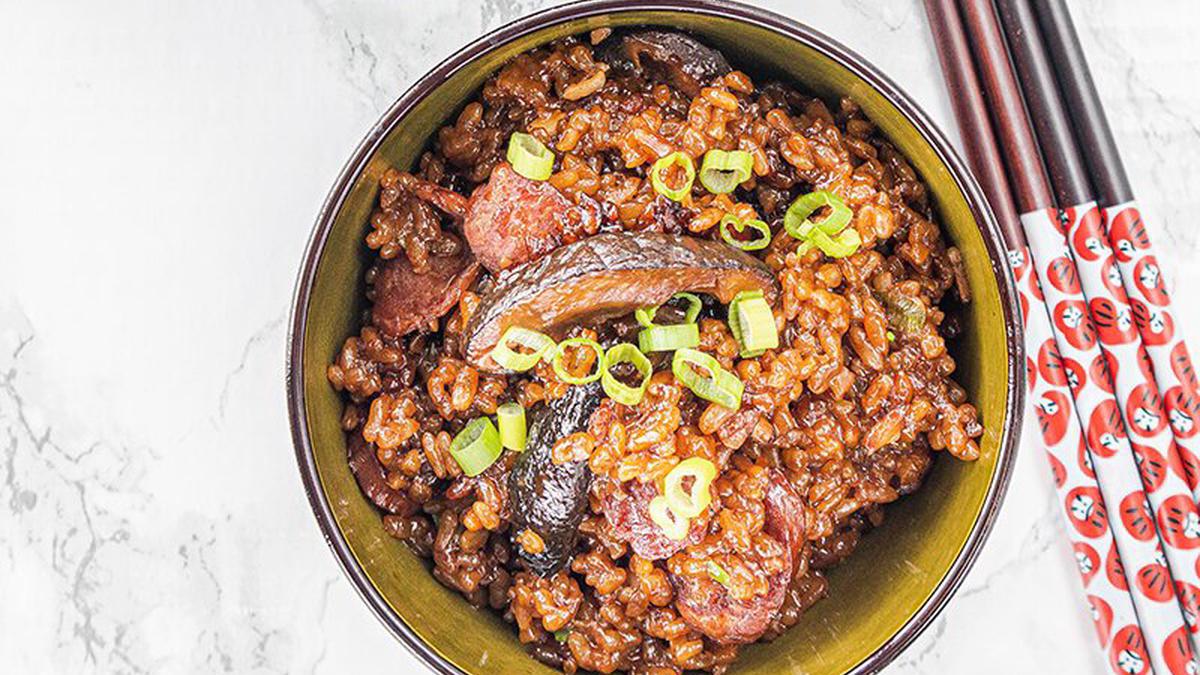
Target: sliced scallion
755,331
529,157
689,502
511,419
668,338
735,326
798,213
843,245
722,171
658,176
674,527
719,385
618,390
738,225
537,344
562,635
561,370
476,446
718,573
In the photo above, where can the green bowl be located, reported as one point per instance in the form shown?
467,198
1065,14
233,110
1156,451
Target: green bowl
902,573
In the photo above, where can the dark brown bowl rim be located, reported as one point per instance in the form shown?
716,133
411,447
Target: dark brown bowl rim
982,213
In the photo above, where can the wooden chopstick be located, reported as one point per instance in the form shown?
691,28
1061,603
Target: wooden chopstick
1066,171
1141,406
1090,124
1061,441
971,112
1019,146
1111,454
1144,281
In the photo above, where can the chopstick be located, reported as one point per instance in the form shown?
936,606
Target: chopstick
1104,165
1139,268
1063,438
1144,416
1109,449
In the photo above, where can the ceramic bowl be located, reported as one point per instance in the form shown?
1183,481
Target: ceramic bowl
902,574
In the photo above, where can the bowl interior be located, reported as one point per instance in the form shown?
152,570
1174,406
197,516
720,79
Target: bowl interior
896,569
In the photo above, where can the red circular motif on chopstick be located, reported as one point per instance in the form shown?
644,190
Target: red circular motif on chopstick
1114,569
1128,652
1136,516
1052,411
1177,652
1128,234
1087,560
1181,365
1179,522
1103,371
1062,275
1084,459
1110,274
1155,323
1144,410
1189,601
1185,465
1183,412
1074,324
1049,363
1114,322
1105,430
1088,239
1155,582
1102,616
1085,507
1152,465
1035,288
1148,278
1057,470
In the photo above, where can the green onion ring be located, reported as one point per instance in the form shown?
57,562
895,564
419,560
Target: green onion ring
674,527
735,326
805,205
539,343
476,446
718,573
668,338
645,315
755,325
720,386
561,371
730,220
843,245
617,390
722,171
529,157
511,419
689,502
659,181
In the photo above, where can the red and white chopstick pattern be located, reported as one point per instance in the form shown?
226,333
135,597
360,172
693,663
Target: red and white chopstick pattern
1100,568
1109,458
1145,418
1161,335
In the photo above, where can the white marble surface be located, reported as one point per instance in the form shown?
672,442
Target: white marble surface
160,167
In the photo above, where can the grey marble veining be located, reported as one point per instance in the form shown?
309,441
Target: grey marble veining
160,167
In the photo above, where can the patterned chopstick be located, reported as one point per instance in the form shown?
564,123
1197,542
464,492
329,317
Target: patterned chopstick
1162,634
1082,505
1124,361
1136,262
